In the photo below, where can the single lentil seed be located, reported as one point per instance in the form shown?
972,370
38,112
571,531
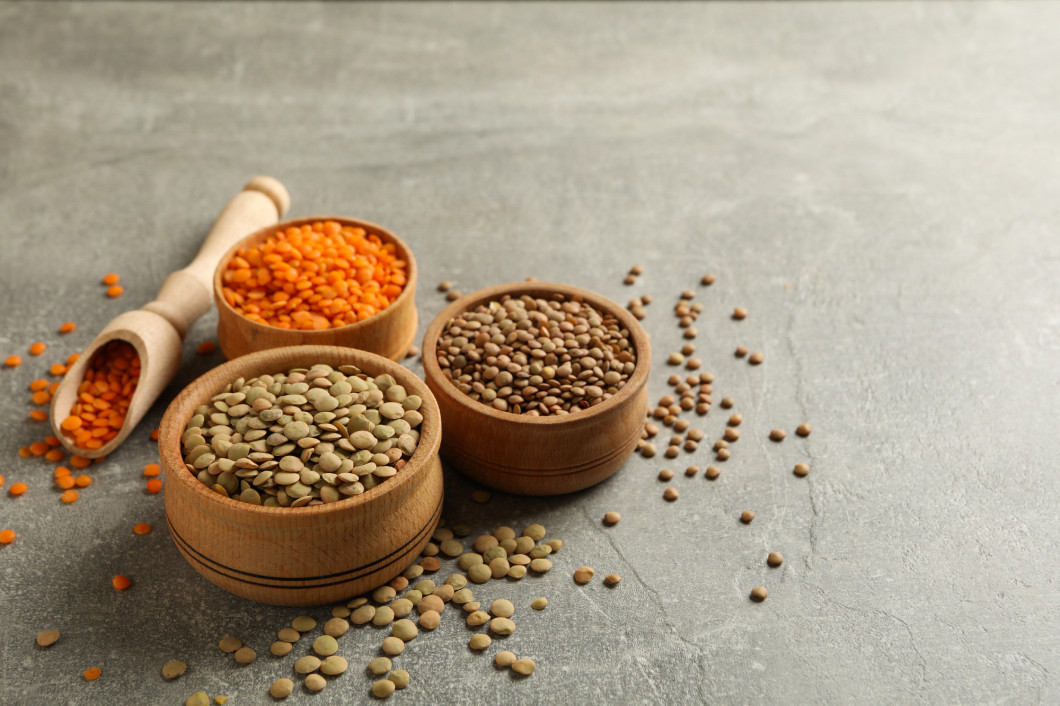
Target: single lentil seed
404,629
756,358
199,698
230,644
48,638
727,402
430,619
315,682
583,575
289,635
775,558
504,659
671,494
740,351
281,648
245,655
384,687
723,454
747,516
777,435
759,593
304,623
281,688
802,469
666,474
612,518
479,641
307,664
400,677
502,626
804,429
612,579
739,313
524,666
380,665
712,472
334,665
172,670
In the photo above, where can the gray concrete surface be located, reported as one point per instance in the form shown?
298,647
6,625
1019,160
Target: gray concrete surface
877,183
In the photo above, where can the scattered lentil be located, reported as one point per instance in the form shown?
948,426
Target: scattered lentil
802,469
172,670
804,429
121,582
612,518
775,559
524,666
584,574
92,673
759,593
739,313
334,665
671,494
777,435
383,688
400,677
612,579
380,665
7,536
393,645
48,638
479,641
747,516
281,688
281,648
315,682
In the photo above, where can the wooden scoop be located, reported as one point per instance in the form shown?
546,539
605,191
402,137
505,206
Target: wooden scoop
157,330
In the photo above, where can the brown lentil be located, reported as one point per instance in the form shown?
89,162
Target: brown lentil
756,358
612,518
747,516
777,435
775,559
675,359
281,688
539,603
739,313
479,641
735,420
708,279
48,638
671,494
694,364
691,471
727,402
722,454
712,472
741,351
666,474
383,687
393,645
537,356
690,332
453,295
731,434
802,469
281,648
584,574
804,429
759,593
400,677
172,670
380,665
672,451
245,655
504,659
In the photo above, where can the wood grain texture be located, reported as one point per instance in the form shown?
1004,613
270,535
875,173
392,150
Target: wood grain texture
388,333
539,455
157,330
309,555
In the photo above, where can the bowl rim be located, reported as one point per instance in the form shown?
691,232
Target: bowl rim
407,292
639,337
182,407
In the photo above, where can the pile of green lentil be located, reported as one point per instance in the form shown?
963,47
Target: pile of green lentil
302,437
537,356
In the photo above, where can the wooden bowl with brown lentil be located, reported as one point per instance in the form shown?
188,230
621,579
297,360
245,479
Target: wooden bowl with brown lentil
390,326
542,387
310,555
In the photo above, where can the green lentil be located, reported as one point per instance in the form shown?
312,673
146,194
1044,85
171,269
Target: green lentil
404,629
479,641
315,682
517,572
502,608
383,688
362,615
457,581
336,627
384,615
334,665
502,626
524,666
380,665
401,607
325,645
400,678
281,648
479,617
383,594
393,646
504,659
304,623
539,603
430,619
466,561
480,573
535,532
540,566
281,688
307,664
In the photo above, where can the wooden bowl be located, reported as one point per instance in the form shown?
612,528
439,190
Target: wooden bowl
539,455
388,333
307,555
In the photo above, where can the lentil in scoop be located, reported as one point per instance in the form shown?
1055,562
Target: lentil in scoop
537,356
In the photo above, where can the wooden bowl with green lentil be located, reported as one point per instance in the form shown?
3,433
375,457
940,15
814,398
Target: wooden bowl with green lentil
310,555
389,332
546,400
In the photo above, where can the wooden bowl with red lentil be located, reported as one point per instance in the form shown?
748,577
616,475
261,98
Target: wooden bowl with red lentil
322,280
533,444
309,555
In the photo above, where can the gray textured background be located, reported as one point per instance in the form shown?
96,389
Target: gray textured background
877,183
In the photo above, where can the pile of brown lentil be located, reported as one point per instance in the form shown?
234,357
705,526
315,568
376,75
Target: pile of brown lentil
304,437
537,356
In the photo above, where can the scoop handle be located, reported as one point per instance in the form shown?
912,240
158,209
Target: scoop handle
187,294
